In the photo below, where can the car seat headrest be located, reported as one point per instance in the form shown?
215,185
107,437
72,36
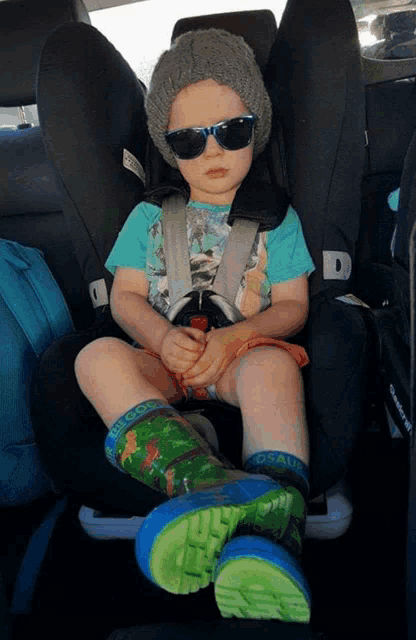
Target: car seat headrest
24,26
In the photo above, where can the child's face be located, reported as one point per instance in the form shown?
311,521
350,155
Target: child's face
216,174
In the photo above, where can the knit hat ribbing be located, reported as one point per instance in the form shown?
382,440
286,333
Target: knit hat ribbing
201,55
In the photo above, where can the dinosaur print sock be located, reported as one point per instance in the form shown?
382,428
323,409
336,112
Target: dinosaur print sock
153,443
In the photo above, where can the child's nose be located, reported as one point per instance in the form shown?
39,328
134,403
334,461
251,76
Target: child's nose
212,147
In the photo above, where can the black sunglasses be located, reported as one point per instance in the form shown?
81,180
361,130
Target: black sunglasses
231,135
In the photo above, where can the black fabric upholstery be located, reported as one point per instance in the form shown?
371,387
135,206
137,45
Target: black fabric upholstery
314,78
91,109
31,213
24,27
391,121
393,316
27,178
407,207
343,360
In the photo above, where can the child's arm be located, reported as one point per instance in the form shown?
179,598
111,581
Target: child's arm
286,317
179,347
288,313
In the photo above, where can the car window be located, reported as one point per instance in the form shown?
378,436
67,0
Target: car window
386,28
12,117
142,31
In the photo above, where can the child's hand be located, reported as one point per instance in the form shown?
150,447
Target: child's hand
181,348
221,346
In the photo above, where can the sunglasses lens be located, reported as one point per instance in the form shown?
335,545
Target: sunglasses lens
187,144
235,134
231,135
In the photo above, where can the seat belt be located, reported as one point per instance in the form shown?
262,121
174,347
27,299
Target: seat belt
233,262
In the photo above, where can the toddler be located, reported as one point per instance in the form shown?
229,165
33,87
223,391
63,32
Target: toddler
209,115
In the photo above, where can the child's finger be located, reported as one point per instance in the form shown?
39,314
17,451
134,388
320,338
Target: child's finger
200,368
200,379
195,334
184,359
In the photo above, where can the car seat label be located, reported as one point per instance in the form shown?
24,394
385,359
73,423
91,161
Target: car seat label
98,293
130,162
337,265
399,407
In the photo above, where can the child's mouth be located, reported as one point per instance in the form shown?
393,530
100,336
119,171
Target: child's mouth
217,173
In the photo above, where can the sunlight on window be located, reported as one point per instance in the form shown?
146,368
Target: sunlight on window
367,39
142,31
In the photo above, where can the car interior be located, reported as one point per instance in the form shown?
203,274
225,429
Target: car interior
341,144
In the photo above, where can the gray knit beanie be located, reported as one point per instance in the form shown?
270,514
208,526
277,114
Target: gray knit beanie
201,55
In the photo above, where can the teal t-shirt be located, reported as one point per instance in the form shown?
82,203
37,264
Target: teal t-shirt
393,200
276,256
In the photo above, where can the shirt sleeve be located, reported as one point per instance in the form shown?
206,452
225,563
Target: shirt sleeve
130,248
287,254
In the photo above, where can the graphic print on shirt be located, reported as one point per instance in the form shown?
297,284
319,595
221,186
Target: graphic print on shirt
207,232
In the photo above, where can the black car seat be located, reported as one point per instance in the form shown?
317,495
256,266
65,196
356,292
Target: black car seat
397,328
315,82
411,512
386,251
86,148
383,254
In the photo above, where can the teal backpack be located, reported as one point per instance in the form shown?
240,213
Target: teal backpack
33,313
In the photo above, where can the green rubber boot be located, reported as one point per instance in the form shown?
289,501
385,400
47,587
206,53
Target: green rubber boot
258,574
156,445
179,542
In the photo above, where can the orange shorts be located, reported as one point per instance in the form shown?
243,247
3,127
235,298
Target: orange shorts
209,393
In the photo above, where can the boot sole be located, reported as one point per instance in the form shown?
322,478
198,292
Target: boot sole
256,578
179,543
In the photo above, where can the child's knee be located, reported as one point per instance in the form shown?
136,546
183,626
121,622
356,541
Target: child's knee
268,358
96,356
269,364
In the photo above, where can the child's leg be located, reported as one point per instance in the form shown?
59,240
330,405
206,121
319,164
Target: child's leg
116,377
131,391
258,577
266,383
180,540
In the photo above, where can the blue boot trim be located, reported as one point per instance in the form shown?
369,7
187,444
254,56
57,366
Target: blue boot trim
202,520
277,462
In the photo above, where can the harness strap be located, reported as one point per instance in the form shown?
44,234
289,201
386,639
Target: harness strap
176,247
233,262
